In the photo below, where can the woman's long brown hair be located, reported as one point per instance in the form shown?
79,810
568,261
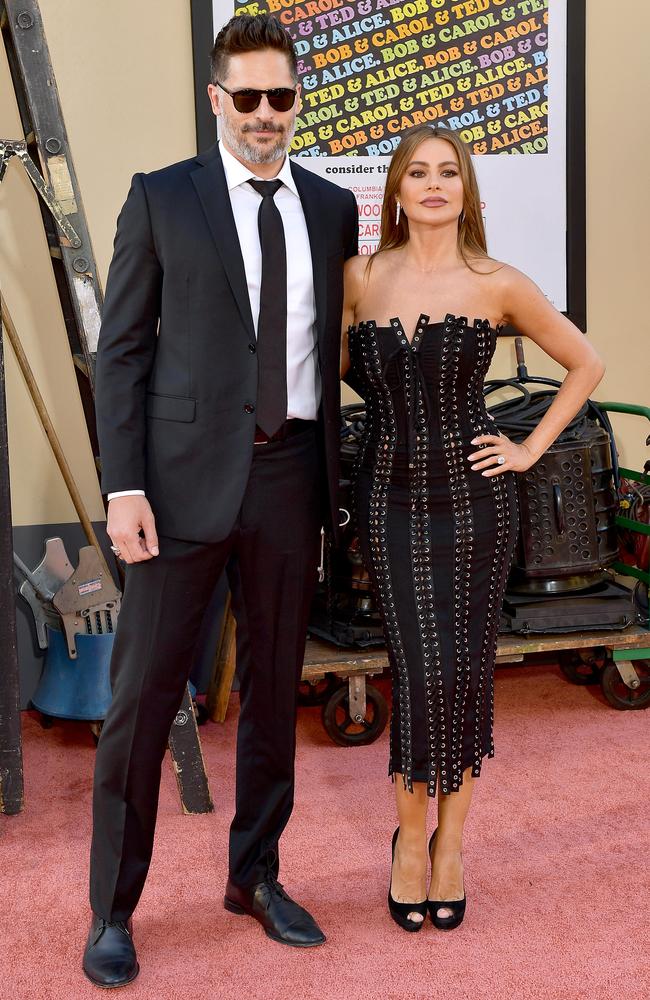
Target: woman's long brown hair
471,231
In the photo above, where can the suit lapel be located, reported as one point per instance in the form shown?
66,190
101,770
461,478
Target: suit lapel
210,182
311,201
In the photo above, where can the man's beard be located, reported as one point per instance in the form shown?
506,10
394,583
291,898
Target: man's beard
252,153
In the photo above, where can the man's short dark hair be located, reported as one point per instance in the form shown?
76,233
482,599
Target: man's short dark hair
247,33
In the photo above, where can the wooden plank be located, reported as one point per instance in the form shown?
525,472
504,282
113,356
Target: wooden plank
318,652
347,668
630,638
223,670
322,658
187,759
11,757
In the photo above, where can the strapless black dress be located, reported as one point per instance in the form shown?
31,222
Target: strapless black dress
436,538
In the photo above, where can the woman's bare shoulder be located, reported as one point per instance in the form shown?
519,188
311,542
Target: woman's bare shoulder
355,279
510,281
355,266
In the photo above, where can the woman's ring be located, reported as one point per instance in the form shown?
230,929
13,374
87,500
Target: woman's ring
501,460
115,549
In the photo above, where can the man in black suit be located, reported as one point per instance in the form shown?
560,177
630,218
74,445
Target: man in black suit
218,419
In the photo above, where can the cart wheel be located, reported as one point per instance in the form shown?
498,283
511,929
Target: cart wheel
346,731
580,669
318,693
618,694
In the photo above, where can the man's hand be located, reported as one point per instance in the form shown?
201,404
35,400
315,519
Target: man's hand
127,517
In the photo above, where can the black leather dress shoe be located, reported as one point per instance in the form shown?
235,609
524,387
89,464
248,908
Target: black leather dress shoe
282,918
109,958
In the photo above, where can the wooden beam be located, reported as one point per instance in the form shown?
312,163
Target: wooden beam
223,669
187,759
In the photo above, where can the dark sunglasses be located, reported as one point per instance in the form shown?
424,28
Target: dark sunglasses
247,100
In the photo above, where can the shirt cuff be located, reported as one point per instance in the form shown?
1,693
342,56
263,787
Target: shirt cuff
125,493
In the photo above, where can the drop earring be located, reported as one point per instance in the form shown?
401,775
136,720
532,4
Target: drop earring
397,215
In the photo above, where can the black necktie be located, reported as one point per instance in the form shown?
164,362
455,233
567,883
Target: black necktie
272,322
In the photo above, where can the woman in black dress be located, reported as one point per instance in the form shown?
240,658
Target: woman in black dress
435,491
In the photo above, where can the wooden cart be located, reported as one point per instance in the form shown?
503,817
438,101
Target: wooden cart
355,712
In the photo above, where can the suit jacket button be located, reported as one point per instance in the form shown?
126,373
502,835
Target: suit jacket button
252,348
249,408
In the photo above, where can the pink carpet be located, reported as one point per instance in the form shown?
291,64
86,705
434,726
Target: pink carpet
556,863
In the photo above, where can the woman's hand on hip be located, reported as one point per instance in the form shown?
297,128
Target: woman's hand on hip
499,454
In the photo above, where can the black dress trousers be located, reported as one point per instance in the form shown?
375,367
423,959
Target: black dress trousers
275,546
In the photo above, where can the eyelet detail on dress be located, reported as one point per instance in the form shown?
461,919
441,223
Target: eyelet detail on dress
427,421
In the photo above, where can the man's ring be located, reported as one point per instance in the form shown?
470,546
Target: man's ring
501,460
115,549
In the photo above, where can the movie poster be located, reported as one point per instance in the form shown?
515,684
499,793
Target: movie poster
493,70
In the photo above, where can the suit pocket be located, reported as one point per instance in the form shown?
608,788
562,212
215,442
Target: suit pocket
180,408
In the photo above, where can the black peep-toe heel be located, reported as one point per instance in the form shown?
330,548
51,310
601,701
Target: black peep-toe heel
400,911
457,906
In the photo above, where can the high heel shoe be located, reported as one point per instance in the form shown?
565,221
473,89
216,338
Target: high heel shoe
456,906
400,911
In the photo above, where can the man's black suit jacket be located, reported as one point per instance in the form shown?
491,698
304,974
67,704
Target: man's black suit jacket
176,364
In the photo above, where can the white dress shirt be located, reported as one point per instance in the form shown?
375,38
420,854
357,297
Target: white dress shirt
303,376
